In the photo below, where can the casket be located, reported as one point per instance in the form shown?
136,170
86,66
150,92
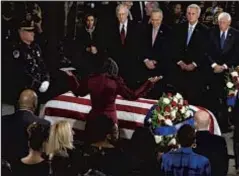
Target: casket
131,114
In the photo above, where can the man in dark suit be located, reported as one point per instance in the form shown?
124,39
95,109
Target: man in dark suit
223,53
124,46
155,48
138,11
211,146
14,127
189,48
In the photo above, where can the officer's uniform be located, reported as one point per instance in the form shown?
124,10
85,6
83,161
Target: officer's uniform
24,68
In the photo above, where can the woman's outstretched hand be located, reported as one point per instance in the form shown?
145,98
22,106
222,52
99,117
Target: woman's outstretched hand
155,79
69,73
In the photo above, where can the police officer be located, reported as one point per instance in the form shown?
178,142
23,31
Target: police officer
24,67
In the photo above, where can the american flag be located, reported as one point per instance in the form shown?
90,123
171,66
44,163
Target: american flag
131,114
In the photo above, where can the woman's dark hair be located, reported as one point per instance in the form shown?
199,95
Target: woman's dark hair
142,143
37,135
186,135
88,15
110,67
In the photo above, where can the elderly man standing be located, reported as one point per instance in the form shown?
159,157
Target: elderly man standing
223,53
124,45
155,48
211,146
188,55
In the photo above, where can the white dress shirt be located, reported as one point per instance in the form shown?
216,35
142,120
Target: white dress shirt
125,26
193,27
224,65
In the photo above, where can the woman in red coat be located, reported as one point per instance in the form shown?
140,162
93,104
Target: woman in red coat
104,87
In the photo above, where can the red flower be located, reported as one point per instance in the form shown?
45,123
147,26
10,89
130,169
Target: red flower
167,117
167,109
234,78
170,95
174,103
185,102
158,108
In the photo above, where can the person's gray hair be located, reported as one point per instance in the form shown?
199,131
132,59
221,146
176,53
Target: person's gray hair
224,15
154,4
110,67
195,6
122,6
157,10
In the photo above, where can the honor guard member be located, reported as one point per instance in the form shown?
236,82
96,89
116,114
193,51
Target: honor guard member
27,66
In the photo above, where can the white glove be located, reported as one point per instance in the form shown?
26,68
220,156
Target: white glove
44,86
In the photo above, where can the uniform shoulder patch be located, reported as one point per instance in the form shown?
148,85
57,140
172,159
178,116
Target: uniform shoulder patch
16,54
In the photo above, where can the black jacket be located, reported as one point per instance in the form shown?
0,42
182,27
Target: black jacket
14,133
215,149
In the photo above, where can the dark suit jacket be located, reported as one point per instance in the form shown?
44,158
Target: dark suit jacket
136,12
14,133
125,55
230,54
215,149
159,50
195,50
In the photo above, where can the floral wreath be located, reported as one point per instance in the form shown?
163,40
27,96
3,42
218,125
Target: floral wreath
169,111
232,86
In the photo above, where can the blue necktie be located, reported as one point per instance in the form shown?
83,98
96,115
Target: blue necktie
190,32
222,41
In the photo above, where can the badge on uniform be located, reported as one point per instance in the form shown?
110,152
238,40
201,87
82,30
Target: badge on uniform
38,54
16,54
29,57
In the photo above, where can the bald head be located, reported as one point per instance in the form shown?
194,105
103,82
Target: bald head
28,100
202,120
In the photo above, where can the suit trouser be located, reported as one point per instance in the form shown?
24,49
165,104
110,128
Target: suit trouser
189,84
217,100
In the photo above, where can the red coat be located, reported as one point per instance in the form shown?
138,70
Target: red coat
103,90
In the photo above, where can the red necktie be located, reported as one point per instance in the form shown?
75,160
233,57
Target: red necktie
122,35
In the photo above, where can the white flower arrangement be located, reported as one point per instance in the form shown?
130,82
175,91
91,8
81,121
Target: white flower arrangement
169,111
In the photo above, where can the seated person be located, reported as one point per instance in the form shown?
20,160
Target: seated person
212,146
33,163
184,161
60,149
102,155
141,155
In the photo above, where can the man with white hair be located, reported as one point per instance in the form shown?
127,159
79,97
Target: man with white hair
188,46
223,53
155,47
209,145
123,45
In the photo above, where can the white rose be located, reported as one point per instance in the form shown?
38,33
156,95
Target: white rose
179,96
166,101
173,113
183,110
234,73
172,142
188,113
168,122
158,139
180,102
175,99
160,117
230,85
